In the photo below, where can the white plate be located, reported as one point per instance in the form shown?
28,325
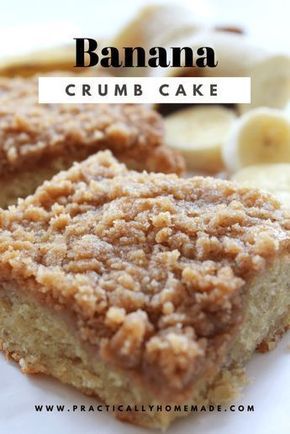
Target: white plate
268,391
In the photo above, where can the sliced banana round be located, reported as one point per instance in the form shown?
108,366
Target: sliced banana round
273,178
259,136
198,133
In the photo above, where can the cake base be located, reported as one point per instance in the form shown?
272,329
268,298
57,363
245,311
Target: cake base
21,183
43,340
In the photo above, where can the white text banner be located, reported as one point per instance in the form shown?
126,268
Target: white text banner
145,90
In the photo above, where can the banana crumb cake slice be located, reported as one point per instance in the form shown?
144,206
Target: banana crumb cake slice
39,140
141,288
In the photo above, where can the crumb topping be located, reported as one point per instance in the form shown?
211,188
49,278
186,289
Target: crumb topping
151,265
32,132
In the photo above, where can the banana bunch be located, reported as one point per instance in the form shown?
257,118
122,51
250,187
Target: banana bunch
158,24
155,25
238,56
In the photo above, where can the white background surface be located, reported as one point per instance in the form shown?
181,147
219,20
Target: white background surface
268,391
27,25
33,24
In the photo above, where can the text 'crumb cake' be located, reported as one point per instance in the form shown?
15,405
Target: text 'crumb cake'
141,288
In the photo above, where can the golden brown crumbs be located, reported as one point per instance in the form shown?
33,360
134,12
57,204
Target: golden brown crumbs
151,265
31,133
